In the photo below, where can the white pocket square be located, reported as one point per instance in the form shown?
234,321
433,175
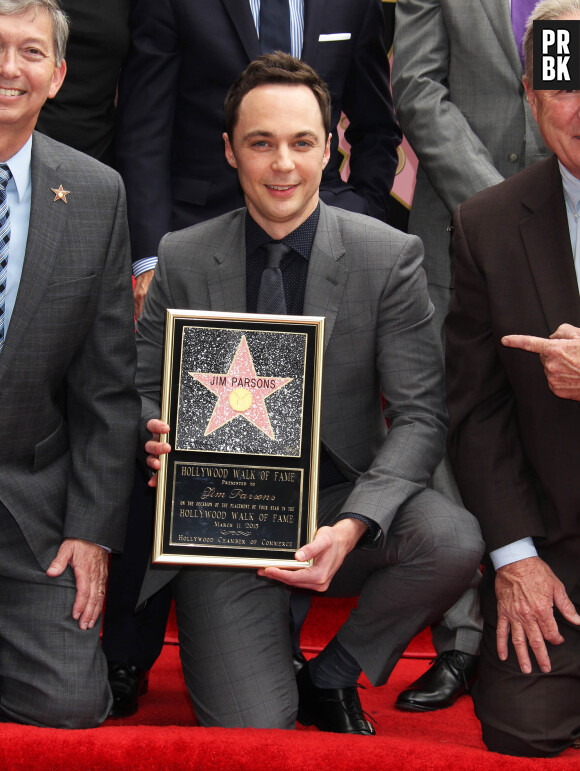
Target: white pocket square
334,36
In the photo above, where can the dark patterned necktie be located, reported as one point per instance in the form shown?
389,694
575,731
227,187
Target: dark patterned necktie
271,295
5,175
274,26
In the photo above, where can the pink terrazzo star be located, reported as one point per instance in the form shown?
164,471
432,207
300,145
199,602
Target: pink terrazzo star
240,392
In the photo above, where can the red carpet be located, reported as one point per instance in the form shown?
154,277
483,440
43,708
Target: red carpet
162,736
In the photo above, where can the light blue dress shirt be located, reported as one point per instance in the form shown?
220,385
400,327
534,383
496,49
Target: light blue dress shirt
18,193
572,194
524,548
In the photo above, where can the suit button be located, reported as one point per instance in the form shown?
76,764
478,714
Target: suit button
513,157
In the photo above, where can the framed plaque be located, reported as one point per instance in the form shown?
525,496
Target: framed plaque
241,393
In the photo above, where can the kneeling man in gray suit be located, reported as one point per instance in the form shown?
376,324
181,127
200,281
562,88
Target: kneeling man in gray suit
68,405
406,551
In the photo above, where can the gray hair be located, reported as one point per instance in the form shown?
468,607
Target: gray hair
546,10
60,25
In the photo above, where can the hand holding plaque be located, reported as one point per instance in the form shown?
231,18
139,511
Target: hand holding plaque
155,448
326,553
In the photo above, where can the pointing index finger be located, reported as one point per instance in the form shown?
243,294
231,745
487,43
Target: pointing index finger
527,343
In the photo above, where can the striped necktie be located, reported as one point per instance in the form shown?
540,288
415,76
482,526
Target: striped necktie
5,175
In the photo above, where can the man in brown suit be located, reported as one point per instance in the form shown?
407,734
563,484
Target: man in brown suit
515,426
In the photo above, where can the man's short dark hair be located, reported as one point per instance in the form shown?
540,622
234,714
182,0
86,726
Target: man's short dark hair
277,67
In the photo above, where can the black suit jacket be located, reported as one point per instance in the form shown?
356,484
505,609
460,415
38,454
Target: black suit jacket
513,443
186,54
82,114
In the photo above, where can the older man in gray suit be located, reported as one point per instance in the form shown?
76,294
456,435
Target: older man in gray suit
68,406
457,84
405,550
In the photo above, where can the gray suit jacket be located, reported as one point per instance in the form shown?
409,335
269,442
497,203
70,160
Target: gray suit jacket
366,279
68,406
461,104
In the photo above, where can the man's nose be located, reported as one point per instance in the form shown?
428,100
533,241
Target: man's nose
283,160
9,62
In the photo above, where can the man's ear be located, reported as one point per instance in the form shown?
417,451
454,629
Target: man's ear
326,156
531,94
57,79
230,157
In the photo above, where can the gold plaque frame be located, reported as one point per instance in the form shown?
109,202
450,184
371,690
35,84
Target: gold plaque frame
242,395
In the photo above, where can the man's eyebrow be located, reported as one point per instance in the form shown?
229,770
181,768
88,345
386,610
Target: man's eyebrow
257,133
270,134
35,41
30,42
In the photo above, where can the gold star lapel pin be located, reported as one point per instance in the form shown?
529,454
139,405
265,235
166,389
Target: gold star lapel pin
60,193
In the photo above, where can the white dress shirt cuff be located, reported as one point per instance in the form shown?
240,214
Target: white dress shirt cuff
146,263
518,550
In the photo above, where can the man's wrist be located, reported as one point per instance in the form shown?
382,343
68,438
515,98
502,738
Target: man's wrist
369,536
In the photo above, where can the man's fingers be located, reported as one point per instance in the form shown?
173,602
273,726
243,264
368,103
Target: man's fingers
59,563
502,635
520,643
315,548
157,426
538,646
527,343
82,598
317,577
91,602
157,448
565,332
90,565
565,605
290,577
304,578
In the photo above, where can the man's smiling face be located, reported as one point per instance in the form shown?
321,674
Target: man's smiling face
280,149
28,72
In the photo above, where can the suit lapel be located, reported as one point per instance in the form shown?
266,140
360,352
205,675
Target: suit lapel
547,241
241,16
313,19
227,284
47,220
499,15
326,275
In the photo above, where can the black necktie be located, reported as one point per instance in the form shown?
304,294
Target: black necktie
274,26
271,295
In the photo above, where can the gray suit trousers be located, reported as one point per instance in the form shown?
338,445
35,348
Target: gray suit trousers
233,625
51,672
459,628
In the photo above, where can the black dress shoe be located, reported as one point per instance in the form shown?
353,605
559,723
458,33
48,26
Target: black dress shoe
127,684
452,674
330,709
298,661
